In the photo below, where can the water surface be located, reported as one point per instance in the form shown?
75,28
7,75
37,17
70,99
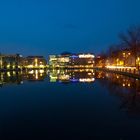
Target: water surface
68,104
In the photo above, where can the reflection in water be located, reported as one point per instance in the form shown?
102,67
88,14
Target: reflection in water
35,75
126,88
17,77
83,75
10,77
77,75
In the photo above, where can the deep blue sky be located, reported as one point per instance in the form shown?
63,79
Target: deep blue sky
42,27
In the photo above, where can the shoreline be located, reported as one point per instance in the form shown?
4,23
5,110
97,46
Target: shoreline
132,75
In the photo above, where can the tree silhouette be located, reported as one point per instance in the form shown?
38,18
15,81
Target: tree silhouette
131,39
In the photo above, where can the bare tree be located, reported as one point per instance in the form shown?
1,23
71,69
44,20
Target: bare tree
131,39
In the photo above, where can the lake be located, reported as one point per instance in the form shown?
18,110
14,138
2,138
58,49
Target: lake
68,104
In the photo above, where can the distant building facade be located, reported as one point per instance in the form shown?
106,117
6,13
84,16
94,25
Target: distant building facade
11,61
82,61
34,62
59,61
71,61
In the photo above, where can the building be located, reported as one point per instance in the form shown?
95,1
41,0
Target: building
37,62
81,61
124,58
71,61
100,61
59,61
53,61
12,62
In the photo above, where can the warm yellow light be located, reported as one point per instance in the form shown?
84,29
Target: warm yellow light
36,62
121,63
8,73
123,54
41,66
64,77
8,66
129,85
14,72
53,59
119,67
30,66
41,71
63,59
89,73
36,74
89,62
123,85
31,72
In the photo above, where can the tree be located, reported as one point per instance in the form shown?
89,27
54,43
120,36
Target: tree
131,39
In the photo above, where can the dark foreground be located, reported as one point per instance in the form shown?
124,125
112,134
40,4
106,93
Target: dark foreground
75,105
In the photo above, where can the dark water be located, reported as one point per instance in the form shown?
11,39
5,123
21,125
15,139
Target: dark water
78,104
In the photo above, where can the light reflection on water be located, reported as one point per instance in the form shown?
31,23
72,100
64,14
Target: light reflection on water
128,89
92,100
77,75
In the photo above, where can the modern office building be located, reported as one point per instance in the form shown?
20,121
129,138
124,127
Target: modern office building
82,61
53,61
59,61
71,61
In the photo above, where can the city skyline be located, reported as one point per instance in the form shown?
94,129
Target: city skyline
51,27
69,69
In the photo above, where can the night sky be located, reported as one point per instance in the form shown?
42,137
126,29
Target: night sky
42,27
